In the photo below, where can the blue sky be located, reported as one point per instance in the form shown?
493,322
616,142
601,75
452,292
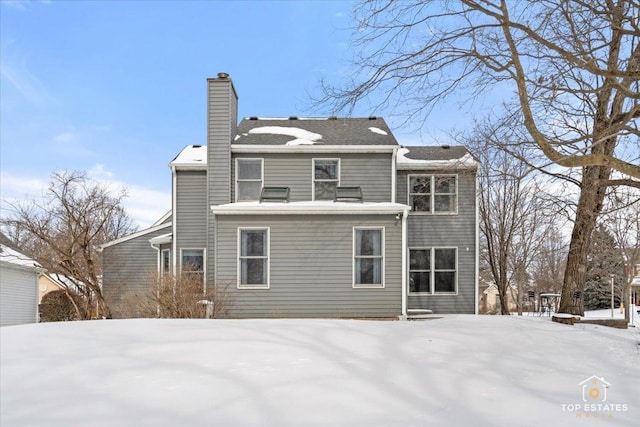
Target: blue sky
117,88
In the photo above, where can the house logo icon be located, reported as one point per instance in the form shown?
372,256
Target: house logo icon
594,389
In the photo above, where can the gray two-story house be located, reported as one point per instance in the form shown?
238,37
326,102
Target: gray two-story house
311,217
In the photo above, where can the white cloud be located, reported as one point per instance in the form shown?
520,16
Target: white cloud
145,206
65,137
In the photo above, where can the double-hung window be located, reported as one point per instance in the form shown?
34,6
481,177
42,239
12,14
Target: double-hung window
165,262
436,194
249,177
433,271
326,177
253,258
192,263
368,257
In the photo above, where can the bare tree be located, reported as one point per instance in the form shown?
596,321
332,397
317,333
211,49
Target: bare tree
62,233
622,217
513,218
573,65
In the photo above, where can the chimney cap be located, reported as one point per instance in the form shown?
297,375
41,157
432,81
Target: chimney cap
223,76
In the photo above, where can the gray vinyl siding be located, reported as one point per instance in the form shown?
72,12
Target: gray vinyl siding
18,295
128,269
446,231
221,127
222,116
191,209
370,171
311,267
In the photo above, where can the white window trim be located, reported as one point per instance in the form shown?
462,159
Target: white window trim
239,284
238,159
204,262
313,173
432,272
432,188
353,258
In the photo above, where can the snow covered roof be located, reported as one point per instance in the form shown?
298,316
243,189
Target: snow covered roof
309,208
314,131
435,157
16,258
191,157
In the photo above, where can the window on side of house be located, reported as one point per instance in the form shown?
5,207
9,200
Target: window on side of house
445,270
253,258
165,264
192,263
433,271
249,177
436,194
326,177
368,257
420,271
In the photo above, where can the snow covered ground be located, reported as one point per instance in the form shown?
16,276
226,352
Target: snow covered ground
452,371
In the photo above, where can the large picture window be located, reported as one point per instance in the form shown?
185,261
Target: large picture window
249,176
433,271
253,258
326,177
192,263
436,194
368,258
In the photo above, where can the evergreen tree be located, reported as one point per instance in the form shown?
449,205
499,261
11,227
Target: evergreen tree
604,259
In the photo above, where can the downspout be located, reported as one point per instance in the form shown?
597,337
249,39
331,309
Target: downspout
394,173
174,221
158,278
405,213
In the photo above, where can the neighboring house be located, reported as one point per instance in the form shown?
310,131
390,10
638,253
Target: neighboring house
635,285
18,285
311,218
47,284
489,302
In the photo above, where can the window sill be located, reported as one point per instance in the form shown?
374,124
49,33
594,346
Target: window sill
253,287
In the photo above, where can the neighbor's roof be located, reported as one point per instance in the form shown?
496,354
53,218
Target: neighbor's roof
435,157
16,258
314,131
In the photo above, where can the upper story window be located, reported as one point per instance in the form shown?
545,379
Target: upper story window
249,177
436,194
326,177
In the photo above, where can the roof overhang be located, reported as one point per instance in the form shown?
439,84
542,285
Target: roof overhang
309,208
134,235
162,239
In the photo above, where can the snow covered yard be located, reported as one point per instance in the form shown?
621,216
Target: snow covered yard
454,371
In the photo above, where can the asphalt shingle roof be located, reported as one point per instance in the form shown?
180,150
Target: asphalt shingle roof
331,131
436,152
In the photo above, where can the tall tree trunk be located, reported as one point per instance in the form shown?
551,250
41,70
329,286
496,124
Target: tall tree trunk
589,208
